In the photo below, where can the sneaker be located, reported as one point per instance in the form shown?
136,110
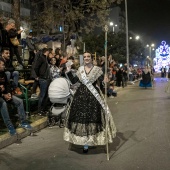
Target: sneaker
111,97
85,149
12,130
26,125
19,67
43,113
34,96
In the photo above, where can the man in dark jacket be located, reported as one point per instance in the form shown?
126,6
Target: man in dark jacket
5,98
33,74
42,70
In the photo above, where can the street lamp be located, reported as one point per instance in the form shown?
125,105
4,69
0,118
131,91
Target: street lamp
151,47
113,25
137,37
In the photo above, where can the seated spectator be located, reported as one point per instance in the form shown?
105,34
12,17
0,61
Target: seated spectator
110,91
110,85
10,71
7,98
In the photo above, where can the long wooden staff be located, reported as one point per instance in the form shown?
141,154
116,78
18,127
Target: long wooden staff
105,78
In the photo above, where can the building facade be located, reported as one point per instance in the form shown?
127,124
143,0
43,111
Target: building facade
5,8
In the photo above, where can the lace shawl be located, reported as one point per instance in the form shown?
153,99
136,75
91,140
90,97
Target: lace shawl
94,74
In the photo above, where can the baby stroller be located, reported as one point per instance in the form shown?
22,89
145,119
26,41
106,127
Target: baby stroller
61,91
60,96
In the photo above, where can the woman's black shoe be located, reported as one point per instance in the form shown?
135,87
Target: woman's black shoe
85,150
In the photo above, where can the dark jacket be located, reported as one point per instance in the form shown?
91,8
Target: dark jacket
4,82
6,35
1,28
12,33
37,55
119,75
5,39
30,44
8,66
41,68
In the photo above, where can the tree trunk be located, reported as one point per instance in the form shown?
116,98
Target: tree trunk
15,9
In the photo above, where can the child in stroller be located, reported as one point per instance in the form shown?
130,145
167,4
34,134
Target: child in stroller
61,91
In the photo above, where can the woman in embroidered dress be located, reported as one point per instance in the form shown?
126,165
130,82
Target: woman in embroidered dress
85,121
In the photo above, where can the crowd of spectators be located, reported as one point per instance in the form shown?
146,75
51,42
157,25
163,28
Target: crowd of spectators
118,74
9,36
46,65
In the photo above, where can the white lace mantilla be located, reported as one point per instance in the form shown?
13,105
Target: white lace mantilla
94,74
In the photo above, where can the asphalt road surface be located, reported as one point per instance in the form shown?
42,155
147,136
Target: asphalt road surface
142,118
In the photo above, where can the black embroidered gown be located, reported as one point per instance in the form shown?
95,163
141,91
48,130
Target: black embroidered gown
85,122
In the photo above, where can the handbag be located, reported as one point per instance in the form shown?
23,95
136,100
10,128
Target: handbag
14,41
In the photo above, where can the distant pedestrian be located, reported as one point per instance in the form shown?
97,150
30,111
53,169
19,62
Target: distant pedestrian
163,73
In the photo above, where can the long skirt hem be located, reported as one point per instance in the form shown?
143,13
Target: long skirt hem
91,140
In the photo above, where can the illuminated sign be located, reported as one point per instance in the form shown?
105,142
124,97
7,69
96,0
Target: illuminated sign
162,56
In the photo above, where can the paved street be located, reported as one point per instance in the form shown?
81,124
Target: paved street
142,117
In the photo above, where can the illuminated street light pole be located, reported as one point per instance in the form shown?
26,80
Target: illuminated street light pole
127,40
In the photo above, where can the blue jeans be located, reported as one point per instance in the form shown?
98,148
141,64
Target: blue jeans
43,97
4,110
111,92
15,77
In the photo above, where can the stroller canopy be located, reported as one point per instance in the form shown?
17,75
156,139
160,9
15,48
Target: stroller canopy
59,88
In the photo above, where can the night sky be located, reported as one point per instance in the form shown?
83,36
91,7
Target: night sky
150,19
